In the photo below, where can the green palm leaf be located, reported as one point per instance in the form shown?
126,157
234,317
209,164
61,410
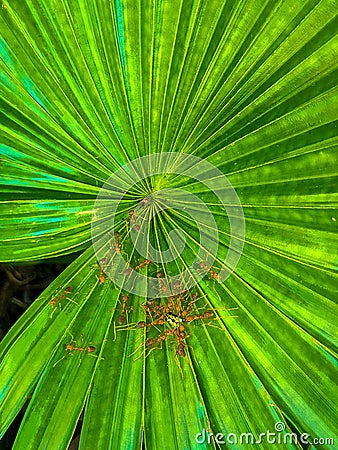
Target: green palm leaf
249,86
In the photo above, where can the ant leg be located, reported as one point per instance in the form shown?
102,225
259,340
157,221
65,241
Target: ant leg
54,309
72,301
178,362
114,331
70,334
64,356
95,356
57,362
136,350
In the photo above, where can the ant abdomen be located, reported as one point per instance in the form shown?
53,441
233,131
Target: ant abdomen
150,341
180,350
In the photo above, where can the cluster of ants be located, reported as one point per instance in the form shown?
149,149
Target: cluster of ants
173,314
169,318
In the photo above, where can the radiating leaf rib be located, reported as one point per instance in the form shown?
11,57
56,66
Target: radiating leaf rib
309,308
105,78
64,110
268,332
219,372
27,348
67,380
114,414
240,70
231,24
54,226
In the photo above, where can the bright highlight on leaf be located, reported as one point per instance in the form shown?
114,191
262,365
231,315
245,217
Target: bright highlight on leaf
250,87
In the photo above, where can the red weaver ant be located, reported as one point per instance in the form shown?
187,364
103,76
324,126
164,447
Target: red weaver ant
122,315
89,349
146,201
102,277
117,243
57,300
146,262
163,287
205,315
133,222
73,347
178,332
160,338
54,301
213,273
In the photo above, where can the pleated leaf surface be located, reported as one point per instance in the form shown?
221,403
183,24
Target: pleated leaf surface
250,86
